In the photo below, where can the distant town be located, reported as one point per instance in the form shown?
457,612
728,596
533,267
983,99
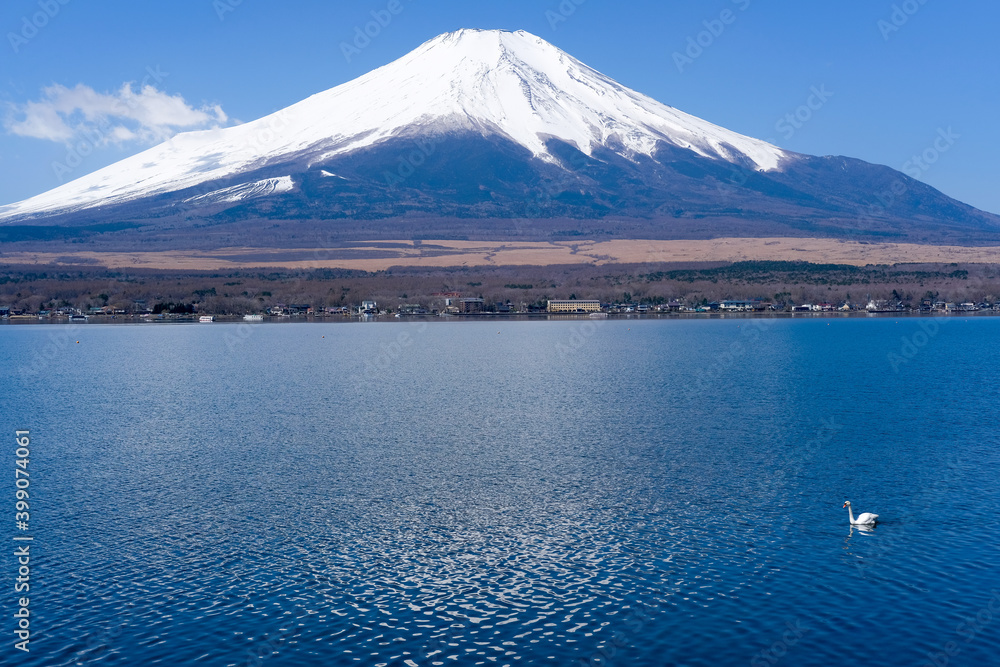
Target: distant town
453,304
30,294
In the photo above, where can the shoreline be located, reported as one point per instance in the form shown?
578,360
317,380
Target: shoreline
493,317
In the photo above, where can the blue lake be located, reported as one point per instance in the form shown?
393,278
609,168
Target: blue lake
591,492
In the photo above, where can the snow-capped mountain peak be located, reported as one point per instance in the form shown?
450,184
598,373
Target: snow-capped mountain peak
525,88
491,82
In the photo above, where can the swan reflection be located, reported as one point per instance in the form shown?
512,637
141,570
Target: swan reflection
861,528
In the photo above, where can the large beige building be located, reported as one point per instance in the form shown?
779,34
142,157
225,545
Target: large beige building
574,306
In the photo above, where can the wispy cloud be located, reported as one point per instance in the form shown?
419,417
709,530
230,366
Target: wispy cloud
148,114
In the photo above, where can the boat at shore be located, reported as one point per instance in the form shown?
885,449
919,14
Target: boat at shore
207,318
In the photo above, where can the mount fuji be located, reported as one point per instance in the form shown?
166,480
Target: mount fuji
487,133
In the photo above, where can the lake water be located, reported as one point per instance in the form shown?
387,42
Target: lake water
513,493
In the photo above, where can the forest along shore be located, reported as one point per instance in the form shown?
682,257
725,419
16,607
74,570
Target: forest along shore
764,287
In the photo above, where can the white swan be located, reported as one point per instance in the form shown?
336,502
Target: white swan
865,519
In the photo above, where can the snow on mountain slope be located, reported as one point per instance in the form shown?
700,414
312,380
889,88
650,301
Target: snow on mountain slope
244,191
493,82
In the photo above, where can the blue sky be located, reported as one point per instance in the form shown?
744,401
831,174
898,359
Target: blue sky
881,80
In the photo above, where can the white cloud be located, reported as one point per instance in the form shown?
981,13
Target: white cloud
149,115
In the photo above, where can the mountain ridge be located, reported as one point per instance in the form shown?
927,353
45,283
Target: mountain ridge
494,125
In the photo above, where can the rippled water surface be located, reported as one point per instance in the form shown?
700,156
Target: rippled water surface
610,492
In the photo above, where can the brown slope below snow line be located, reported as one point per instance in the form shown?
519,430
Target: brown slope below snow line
381,255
